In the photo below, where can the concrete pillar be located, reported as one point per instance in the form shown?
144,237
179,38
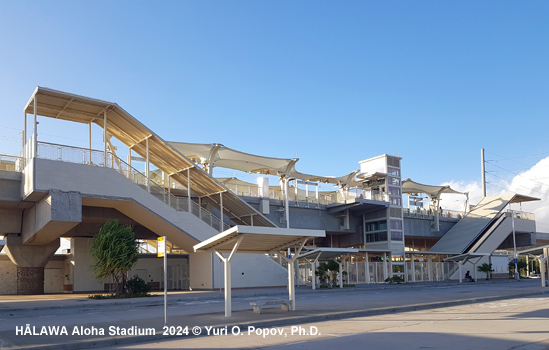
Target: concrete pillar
30,261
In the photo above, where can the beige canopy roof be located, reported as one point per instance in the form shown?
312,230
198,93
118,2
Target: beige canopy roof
434,192
212,155
120,124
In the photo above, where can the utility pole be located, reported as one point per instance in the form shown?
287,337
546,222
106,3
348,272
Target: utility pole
483,173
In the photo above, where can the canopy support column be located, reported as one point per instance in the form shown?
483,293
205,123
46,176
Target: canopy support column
227,272
340,274
367,267
220,211
291,274
35,146
25,136
90,141
105,138
313,268
147,167
430,268
286,202
189,191
460,274
413,268
385,266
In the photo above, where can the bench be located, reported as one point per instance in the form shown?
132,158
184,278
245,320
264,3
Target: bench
258,305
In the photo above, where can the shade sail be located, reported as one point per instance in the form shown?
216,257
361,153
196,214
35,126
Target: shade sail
434,192
218,155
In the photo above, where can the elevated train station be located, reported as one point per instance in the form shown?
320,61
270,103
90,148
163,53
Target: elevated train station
51,192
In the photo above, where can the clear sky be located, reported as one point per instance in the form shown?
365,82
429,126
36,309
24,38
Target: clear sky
331,82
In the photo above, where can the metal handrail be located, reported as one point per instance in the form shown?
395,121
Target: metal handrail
79,155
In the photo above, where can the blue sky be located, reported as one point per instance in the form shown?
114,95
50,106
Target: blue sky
329,82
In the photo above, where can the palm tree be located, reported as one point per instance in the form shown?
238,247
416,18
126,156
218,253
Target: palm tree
486,268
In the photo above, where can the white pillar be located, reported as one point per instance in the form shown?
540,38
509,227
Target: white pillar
313,277
340,275
460,277
430,268
286,202
542,270
147,167
367,268
228,306
35,148
385,267
189,191
90,141
291,283
220,211
413,268
25,137
105,138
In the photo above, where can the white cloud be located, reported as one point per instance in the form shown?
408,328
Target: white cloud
534,182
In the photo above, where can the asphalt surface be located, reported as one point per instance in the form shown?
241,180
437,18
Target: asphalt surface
94,323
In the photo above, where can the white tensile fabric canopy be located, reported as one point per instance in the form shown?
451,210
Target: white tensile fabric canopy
217,155
434,192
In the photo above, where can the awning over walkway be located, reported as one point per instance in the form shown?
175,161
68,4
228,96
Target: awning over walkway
258,240
128,130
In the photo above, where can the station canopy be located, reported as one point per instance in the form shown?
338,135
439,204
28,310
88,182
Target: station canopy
131,132
258,240
217,155
434,192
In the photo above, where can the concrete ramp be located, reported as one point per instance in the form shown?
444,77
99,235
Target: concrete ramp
105,187
476,223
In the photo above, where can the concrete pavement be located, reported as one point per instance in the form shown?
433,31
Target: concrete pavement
196,310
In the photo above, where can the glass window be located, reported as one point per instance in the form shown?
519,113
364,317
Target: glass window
398,268
376,226
393,172
396,236
376,237
394,191
395,181
396,224
396,201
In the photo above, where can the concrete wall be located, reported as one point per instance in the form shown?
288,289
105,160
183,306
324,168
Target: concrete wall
82,278
201,273
8,276
251,270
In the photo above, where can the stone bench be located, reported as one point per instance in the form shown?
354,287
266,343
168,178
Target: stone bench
258,305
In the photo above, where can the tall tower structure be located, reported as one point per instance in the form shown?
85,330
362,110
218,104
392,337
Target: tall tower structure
384,228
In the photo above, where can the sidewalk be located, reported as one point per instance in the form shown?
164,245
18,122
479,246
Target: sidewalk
200,309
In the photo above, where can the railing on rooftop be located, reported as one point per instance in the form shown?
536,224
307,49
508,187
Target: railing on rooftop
429,214
96,158
520,215
11,163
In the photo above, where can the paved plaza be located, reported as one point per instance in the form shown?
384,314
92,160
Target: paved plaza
350,312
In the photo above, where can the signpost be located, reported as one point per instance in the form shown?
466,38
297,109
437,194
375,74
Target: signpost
162,253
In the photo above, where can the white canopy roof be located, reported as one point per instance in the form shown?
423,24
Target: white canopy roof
257,240
217,155
434,192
